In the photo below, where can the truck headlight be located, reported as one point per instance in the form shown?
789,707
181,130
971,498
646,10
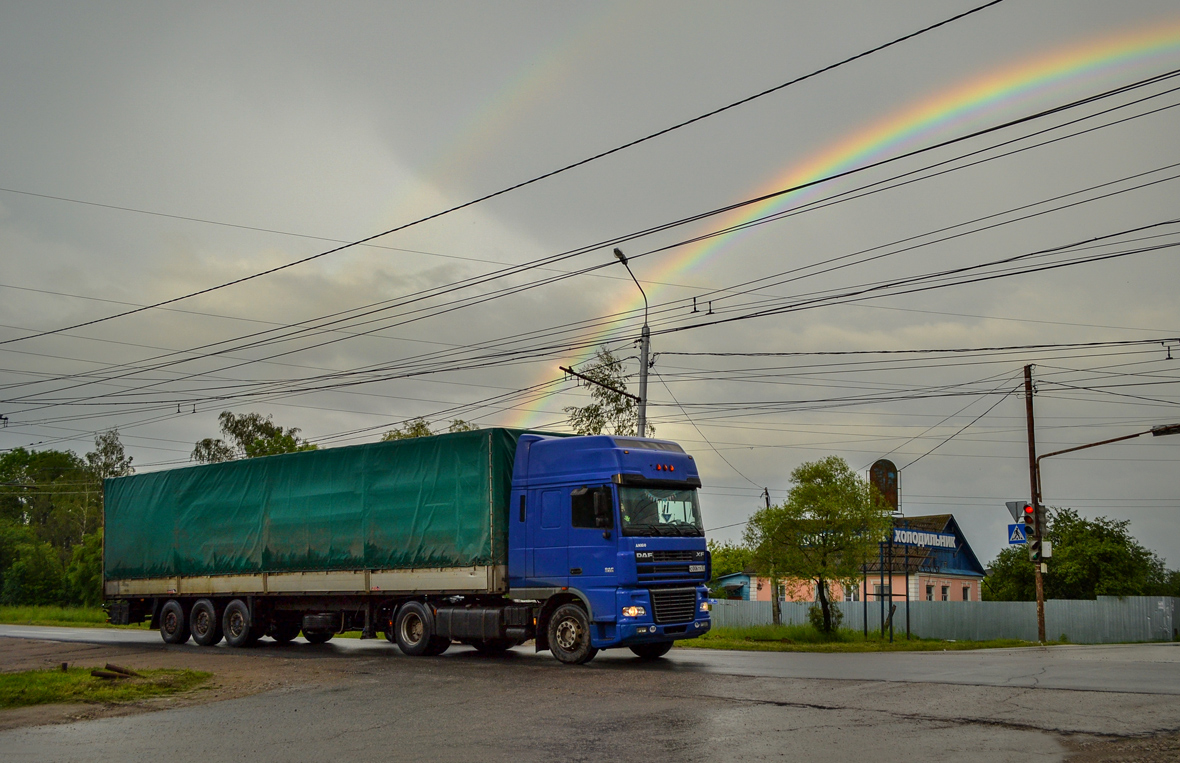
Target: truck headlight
706,606
634,611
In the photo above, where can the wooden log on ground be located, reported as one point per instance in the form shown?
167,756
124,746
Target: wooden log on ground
107,674
125,671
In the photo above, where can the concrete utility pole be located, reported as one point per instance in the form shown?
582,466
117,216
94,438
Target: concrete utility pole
1034,469
1034,480
776,613
644,342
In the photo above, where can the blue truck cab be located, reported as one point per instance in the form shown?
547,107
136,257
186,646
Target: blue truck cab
606,533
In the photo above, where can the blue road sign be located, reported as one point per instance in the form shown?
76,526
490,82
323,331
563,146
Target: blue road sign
1016,535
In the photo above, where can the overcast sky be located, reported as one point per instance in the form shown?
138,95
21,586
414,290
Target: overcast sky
153,150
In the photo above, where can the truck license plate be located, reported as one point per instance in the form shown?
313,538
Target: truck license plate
696,568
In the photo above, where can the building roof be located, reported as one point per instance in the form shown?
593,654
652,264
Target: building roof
918,554
919,551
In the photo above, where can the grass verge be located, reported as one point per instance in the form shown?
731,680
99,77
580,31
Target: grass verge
43,687
75,617
804,638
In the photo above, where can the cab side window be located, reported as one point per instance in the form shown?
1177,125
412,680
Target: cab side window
591,507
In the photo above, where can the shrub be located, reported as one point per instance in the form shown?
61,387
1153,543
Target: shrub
815,616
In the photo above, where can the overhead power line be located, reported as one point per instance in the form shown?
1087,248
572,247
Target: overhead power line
1001,348
531,181
322,327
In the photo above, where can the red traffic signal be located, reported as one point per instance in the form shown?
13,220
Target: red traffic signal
1030,516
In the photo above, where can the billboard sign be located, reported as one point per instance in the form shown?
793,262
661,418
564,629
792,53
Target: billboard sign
883,476
923,539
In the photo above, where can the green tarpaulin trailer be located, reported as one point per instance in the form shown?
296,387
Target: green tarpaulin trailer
428,513
488,538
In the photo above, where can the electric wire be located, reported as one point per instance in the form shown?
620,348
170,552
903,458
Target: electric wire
535,179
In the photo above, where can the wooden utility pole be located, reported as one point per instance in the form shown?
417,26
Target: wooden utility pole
1034,482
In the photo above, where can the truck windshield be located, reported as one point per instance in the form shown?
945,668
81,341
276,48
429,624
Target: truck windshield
660,511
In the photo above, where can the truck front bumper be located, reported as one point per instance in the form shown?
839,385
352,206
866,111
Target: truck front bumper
642,633
643,629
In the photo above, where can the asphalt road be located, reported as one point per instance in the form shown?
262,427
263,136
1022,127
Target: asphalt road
1028,704
1139,668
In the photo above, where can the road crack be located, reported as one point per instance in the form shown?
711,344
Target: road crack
946,719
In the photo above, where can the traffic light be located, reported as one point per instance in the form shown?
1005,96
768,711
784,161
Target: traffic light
1031,534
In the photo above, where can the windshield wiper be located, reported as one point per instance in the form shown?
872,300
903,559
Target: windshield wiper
687,529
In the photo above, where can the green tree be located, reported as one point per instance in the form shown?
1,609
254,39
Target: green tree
52,492
83,575
248,435
829,526
1091,558
35,576
728,558
12,536
609,410
109,459
420,427
459,425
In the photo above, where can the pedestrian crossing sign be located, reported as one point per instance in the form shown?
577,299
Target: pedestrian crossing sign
1016,535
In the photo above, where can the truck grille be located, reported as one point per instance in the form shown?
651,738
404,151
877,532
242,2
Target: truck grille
667,570
673,556
674,605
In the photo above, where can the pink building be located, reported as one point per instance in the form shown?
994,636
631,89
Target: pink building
933,551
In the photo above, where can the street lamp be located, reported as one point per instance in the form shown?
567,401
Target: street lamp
1156,431
644,341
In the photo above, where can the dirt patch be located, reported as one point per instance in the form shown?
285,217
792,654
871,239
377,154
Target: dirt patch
236,673
1164,748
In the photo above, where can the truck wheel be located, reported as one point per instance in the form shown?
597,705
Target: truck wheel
414,630
438,645
569,635
652,651
285,631
493,646
318,637
173,625
204,623
237,625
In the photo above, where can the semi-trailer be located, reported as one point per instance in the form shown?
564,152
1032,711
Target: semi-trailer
488,538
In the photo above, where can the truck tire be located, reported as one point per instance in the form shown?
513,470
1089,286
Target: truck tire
204,623
237,624
285,631
414,630
652,651
318,637
438,645
173,623
569,635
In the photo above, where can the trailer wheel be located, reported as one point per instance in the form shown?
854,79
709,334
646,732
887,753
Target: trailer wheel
173,624
237,624
493,646
414,630
285,631
569,635
651,651
318,637
204,623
